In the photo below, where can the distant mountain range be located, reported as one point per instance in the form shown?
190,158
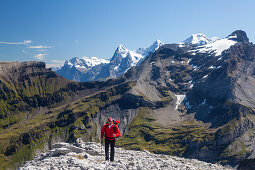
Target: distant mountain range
89,69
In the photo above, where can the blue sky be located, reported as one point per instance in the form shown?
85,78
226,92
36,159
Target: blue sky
56,30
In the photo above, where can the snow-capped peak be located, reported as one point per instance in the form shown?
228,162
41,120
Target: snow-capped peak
84,62
121,51
156,45
146,51
121,48
93,61
199,39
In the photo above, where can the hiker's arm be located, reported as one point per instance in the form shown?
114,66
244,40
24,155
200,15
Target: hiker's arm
102,132
118,132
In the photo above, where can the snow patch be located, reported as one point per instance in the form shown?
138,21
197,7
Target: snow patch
179,100
194,67
212,67
116,68
216,47
205,76
219,58
181,45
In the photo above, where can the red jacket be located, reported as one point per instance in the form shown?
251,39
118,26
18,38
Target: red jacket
109,132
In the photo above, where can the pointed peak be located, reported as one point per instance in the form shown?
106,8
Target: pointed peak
121,47
74,59
121,50
239,36
158,43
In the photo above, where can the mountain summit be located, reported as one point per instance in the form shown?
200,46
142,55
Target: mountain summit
199,39
239,36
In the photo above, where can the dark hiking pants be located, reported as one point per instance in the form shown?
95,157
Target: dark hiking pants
107,143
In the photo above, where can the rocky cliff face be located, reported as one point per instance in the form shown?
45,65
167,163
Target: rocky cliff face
194,101
208,95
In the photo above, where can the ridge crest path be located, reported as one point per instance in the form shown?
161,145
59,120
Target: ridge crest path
87,156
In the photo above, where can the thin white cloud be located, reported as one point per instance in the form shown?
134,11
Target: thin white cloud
41,50
55,63
17,43
40,46
40,56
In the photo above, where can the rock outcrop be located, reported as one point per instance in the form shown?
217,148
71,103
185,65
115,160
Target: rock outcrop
90,156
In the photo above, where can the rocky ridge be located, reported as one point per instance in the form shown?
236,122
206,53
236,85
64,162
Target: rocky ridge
90,156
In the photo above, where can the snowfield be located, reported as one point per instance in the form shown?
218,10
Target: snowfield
89,156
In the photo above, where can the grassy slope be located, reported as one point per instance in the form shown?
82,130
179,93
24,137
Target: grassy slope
145,134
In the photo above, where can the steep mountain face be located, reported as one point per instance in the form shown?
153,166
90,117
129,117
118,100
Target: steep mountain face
194,101
86,69
27,86
208,92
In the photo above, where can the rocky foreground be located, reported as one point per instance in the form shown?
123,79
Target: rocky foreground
90,156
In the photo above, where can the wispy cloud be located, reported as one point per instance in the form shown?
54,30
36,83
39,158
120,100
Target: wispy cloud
40,46
17,43
41,50
55,63
40,56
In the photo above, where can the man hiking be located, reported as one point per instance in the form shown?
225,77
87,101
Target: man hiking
111,132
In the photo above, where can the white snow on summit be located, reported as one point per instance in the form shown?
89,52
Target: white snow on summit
122,51
93,61
153,47
199,39
84,63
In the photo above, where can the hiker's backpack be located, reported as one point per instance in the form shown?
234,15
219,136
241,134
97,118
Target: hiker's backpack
115,122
